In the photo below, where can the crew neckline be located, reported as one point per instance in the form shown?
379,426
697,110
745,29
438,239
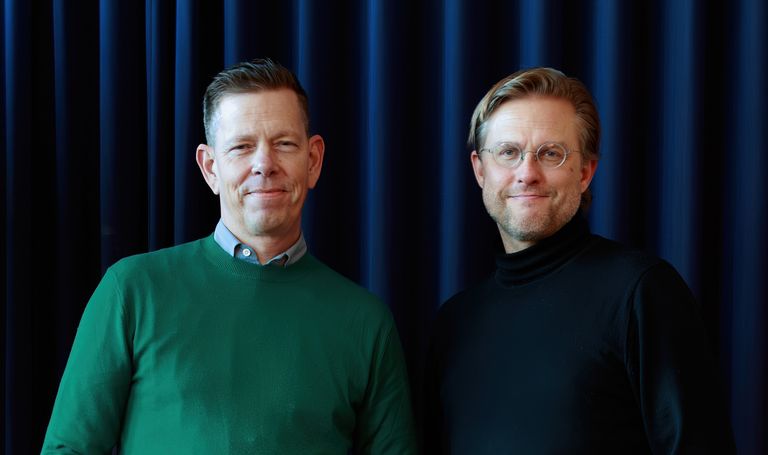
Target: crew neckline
216,255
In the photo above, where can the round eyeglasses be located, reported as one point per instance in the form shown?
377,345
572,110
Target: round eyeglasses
550,155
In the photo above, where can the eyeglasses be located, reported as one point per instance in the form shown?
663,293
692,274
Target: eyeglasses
550,155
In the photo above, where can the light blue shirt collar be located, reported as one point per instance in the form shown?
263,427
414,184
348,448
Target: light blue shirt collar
235,248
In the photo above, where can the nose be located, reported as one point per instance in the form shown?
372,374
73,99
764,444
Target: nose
263,161
529,170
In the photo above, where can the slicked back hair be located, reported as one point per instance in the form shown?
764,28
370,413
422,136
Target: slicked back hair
249,77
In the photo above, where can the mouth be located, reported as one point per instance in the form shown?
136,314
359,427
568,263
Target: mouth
527,197
265,193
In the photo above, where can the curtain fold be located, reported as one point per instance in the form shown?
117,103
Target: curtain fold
102,112
746,220
15,127
160,58
608,73
676,159
375,111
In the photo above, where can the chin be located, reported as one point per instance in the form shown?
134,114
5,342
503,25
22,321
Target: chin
531,230
262,226
527,235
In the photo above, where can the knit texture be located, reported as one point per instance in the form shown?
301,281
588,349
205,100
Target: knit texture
189,350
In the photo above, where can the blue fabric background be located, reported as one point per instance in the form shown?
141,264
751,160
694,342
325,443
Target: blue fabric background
101,114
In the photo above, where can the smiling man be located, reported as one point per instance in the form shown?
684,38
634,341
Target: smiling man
577,344
240,342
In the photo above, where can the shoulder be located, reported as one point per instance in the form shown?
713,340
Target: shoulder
457,308
608,263
336,282
332,286
609,253
638,276
169,260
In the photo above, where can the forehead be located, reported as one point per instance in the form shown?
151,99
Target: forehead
533,120
268,108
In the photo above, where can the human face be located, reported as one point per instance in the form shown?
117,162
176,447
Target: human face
262,164
530,203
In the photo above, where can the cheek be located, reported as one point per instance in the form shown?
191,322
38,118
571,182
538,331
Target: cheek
573,180
233,189
500,183
493,178
492,194
235,178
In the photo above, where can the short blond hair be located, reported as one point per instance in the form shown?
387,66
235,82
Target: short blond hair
545,82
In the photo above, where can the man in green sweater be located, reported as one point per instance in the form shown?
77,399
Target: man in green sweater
240,342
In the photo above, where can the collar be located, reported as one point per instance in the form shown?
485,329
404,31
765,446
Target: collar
545,256
235,248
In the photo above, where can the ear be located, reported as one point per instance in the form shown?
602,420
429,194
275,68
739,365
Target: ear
207,163
316,153
477,165
588,168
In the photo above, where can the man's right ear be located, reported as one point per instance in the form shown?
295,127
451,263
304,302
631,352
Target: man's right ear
477,166
207,163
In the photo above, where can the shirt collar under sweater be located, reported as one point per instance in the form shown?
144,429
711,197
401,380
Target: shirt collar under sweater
227,240
545,256
211,251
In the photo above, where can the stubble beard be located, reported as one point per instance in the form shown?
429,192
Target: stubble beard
531,227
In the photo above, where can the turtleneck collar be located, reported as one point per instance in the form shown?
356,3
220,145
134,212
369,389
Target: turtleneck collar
545,256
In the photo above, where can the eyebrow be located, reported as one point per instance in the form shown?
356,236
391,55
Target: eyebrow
237,139
535,146
298,135
248,138
496,144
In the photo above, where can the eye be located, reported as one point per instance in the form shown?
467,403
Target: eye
552,153
508,153
239,148
286,146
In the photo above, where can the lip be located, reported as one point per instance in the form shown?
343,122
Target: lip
266,193
527,197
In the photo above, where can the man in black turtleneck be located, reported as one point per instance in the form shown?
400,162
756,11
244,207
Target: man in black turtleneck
577,345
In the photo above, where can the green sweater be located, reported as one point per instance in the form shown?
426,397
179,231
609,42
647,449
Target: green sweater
189,350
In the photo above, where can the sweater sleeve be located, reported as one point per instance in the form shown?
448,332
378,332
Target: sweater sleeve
385,421
671,368
92,395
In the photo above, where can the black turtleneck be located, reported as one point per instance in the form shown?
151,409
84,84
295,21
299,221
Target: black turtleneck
576,345
544,257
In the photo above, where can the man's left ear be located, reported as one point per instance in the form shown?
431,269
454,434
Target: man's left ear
588,169
316,153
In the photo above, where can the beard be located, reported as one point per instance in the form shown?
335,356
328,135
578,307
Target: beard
532,221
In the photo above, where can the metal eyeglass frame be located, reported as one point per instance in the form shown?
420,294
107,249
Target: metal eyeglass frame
494,151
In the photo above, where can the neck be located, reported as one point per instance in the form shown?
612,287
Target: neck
544,255
513,245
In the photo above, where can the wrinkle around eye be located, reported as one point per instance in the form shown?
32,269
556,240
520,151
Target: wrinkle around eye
287,146
238,149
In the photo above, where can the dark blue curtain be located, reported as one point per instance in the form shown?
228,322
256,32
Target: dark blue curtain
101,114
